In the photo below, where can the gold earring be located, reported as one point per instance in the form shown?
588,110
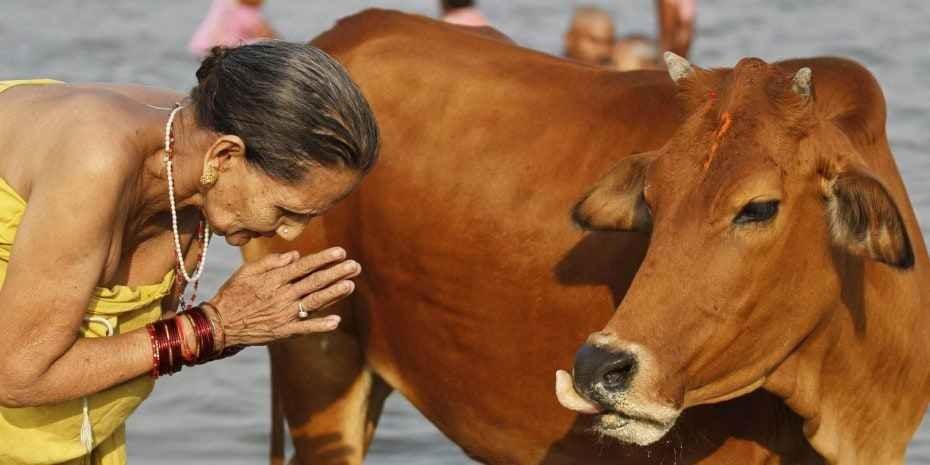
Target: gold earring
208,178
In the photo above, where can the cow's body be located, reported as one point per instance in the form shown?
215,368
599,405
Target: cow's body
476,285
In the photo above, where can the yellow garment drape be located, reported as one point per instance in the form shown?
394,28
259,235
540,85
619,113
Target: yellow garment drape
50,434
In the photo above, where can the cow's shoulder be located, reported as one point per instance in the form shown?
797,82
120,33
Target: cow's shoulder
400,32
350,31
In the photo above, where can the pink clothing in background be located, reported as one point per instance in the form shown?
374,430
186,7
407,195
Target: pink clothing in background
469,16
228,23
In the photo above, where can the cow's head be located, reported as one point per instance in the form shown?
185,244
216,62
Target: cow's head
754,209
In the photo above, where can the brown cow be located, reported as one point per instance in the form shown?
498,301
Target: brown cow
477,286
784,255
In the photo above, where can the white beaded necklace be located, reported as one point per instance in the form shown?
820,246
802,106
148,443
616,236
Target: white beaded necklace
87,432
169,169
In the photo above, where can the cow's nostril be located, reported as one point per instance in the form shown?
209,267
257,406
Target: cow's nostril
611,370
618,373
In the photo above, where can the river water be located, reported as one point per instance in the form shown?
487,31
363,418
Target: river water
219,413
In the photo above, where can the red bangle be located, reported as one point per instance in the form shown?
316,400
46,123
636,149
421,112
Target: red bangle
218,345
204,331
166,362
166,347
175,346
151,330
159,349
161,335
187,356
206,334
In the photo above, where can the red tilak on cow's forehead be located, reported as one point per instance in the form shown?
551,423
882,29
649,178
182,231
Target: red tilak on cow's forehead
725,121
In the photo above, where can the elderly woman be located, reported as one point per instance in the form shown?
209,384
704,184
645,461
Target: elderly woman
109,195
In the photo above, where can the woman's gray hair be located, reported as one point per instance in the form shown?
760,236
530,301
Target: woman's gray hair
292,104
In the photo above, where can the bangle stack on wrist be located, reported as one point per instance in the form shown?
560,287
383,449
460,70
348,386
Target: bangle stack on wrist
166,337
166,347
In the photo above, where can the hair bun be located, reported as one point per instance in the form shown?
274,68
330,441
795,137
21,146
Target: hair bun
210,62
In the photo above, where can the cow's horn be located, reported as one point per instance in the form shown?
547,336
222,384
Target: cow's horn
801,83
678,67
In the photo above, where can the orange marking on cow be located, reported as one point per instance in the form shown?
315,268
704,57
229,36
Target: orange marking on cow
725,122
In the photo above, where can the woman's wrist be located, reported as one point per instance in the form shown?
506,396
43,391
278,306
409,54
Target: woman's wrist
216,323
190,338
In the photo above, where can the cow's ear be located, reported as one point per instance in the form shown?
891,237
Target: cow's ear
865,220
616,203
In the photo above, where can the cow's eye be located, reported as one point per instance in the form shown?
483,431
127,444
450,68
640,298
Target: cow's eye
757,212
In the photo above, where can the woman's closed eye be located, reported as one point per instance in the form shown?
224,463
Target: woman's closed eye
303,216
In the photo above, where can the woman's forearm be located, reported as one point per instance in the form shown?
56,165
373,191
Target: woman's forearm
89,366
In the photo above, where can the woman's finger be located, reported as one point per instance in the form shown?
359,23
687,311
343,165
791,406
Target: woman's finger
328,296
323,278
270,262
308,264
313,325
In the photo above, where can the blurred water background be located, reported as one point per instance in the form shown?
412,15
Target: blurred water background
219,413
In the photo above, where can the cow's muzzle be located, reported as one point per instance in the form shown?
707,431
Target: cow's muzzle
605,382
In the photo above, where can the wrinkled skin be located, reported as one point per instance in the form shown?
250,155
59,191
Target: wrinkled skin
784,255
477,286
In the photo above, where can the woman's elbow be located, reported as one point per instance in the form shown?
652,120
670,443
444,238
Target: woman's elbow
9,400
17,390
14,398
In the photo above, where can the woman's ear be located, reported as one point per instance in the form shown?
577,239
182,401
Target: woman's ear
226,148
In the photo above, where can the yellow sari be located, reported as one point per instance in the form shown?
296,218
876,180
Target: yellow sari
51,434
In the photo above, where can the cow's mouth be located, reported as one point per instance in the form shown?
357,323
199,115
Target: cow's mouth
633,430
622,420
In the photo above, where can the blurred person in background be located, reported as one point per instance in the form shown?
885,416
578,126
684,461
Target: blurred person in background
109,194
676,25
590,37
230,23
464,12
633,52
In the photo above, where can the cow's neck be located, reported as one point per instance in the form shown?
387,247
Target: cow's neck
859,379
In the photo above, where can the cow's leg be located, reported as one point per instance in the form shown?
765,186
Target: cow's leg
331,399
